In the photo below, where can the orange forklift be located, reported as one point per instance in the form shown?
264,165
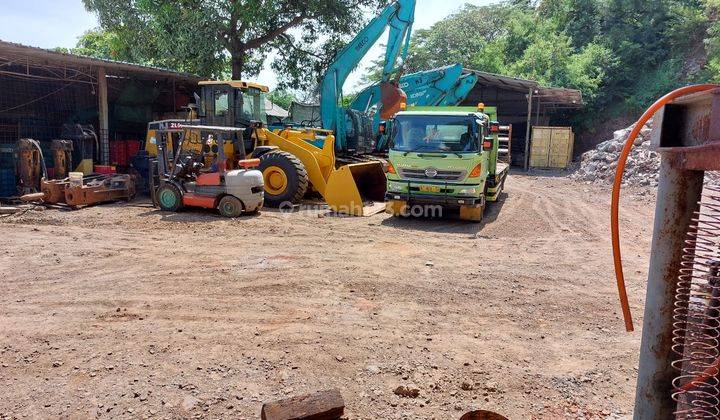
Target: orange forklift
209,169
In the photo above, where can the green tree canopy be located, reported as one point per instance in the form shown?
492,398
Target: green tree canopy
620,53
208,37
283,98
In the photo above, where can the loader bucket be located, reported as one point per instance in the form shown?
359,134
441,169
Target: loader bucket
357,189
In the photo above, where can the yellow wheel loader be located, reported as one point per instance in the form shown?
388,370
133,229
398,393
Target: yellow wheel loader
291,165
293,161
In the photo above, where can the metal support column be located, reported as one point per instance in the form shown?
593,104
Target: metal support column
103,117
679,192
527,130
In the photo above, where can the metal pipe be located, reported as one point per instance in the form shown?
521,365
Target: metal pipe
679,192
527,130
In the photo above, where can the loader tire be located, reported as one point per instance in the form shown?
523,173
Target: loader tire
169,197
285,177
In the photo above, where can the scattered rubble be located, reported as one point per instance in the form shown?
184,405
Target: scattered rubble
407,392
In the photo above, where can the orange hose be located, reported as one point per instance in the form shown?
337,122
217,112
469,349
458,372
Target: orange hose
702,377
614,208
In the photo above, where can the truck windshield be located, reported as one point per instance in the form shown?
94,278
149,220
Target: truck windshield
435,133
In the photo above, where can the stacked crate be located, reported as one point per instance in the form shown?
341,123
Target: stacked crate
551,147
122,151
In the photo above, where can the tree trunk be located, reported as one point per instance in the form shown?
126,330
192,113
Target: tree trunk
238,64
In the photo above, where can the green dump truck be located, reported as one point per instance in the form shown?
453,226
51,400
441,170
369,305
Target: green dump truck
444,158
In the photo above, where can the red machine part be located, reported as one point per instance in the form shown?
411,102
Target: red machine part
194,200
392,96
96,189
249,163
212,178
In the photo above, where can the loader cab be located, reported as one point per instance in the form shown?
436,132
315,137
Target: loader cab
232,103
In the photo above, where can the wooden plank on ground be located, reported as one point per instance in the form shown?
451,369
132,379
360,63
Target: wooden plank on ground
321,405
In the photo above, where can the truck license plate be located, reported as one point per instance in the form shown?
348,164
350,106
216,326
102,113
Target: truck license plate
429,188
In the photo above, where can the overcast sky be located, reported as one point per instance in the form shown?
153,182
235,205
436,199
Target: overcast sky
58,23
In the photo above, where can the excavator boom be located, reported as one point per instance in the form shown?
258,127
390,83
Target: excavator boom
399,17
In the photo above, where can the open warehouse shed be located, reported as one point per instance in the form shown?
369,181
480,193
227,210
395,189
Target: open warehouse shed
524,104
45,92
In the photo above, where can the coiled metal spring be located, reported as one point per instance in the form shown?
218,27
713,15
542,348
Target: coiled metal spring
696,335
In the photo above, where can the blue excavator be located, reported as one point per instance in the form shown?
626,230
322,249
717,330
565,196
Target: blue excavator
353,126
444,86
356,127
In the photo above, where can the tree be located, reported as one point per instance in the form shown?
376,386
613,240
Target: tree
208,36
99,43
283,98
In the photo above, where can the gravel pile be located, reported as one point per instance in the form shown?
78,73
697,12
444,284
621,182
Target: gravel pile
598,165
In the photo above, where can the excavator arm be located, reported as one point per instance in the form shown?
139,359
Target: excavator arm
399,17
444,86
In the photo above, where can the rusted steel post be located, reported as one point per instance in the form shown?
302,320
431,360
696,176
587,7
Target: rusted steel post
103,116
526,162
679,192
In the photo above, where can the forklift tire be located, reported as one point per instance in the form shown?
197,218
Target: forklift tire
230,206
285,177
169,198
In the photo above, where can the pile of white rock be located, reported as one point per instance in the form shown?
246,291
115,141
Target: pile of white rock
599,164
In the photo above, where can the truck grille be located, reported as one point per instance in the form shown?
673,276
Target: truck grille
441,175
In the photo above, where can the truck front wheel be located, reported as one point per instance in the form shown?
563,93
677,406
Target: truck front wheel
397,208
472,213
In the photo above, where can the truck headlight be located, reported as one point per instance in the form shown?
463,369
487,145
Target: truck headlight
394,187
468,191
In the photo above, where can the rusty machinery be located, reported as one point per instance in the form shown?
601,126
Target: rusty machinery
93,190
62,158
86,147
679,365
31,166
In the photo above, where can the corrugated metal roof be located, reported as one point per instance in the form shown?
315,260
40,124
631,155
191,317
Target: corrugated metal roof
548,95
51,56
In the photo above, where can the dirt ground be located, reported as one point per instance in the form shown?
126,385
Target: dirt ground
123,311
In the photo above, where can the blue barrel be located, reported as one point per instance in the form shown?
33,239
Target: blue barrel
8,183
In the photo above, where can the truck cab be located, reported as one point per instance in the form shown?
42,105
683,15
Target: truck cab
446,157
